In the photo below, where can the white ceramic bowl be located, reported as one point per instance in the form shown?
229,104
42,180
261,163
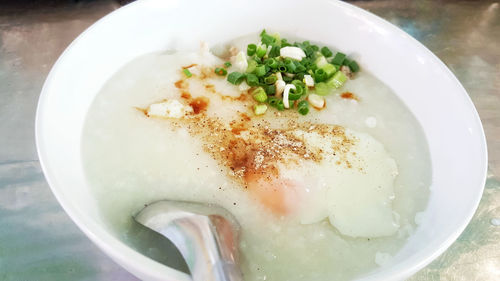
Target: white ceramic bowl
441,105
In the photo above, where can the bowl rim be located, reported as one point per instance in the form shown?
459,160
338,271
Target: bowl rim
119,252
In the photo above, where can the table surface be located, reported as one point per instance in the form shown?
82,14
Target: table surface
38,241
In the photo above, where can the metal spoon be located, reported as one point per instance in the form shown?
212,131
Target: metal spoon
205,234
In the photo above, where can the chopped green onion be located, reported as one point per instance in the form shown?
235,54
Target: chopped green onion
267,72
339,58
272,101
305,47
284,43
297,83
277,36
251,66
322,89
308,51
220,71
287,79
251,49
235,78
354,66
306,61
300,90
290,65
326,52
300,68
270,90
320,61
337,80
267,39
187,72
252,80
275,51
261,51
299,76
319,75
260,70
315,54
329,69
259,109
295,94
303,107
259,94
272,63
270,79
280,105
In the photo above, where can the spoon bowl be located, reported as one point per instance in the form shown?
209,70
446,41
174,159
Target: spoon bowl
205,234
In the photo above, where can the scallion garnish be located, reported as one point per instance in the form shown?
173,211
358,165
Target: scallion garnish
251,66
322,89
266,38
287,79
298,83
319,75
275,51
300,68
346,62
303,107
326,52
261,50
339,58
272,63
290,65
252,80
337,80
295,94
235,78
187,72
260,70
270,79
272,101
220,71
303,69
259,109
329,69
280,105
270,90
354,66
259,94
251,49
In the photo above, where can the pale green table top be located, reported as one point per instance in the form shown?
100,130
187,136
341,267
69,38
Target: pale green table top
39,242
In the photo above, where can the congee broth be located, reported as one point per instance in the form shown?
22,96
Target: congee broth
322,165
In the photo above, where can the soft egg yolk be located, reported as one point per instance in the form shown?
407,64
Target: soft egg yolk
277,194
